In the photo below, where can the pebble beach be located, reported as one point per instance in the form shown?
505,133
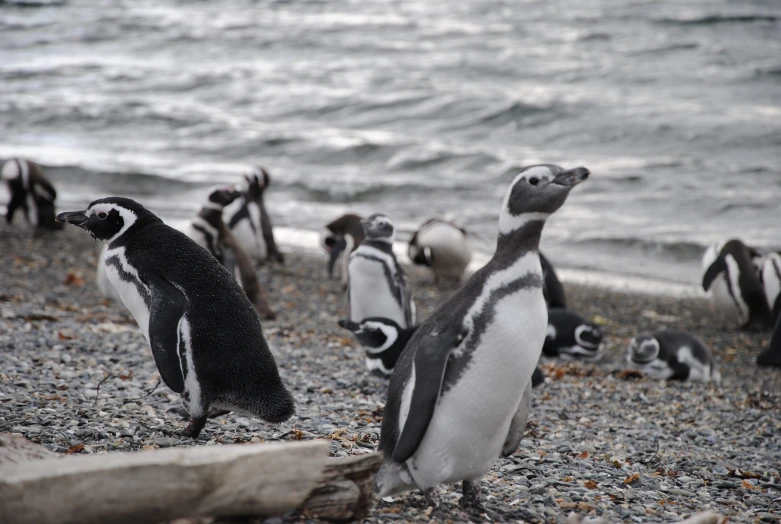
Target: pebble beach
77,376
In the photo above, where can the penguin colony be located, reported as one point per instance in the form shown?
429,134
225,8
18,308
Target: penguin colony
460,381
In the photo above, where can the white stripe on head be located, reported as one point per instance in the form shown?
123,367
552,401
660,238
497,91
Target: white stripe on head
579,336
128,217
376,363
551,332
390,332
508,222
10,170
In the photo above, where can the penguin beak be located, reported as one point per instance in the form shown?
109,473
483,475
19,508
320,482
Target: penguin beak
333,254
349,324
572,177
77,218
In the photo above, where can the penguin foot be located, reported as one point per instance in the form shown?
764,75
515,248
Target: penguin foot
471,503
194,428
768,357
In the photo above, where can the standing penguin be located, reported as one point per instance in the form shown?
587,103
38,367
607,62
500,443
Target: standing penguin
340,238
672,355
209,231
570,337
552,288
250,223
460,393
443,246
377,285
731,276
771,281
383,339
30,190
204,334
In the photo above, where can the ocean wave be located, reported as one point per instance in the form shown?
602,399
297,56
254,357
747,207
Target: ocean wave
675,250
32,3
719,19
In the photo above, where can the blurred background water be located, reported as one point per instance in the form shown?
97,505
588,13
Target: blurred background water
415,108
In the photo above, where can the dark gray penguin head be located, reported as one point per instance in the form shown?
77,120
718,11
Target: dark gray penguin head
643,349
220,197
379,228
374,332
338,234
257,182
588,337
537,192
109,218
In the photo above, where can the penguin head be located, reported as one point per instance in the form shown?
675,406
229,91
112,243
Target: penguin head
336,236
536,192
643,350
108,218
379,228
219,197
589,336
257,182
374,332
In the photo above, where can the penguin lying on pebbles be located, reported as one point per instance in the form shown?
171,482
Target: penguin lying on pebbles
552,288
377,285
340,238
570,337
209,231
31,191
203,331
460,393
733,280
250,222
443,246
383,339
672,355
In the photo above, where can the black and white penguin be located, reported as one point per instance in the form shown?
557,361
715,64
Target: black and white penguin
552,289
383,340
672,355
771,281
570,337
771,355
731,277
31,191
250,223
442,245
339,238
204,334
460,393
377,285
207,227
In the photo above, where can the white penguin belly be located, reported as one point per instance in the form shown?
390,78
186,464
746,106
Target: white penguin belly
370,295
451,250
128,291
472,418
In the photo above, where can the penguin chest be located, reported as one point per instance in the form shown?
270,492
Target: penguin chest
372,291
473,415
135,295
249,233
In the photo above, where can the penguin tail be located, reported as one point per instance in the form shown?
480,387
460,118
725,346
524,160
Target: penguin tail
278,407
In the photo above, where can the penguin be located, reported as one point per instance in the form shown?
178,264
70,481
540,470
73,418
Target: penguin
460,393
341,237
570,337
205,336
442,245
377,285
552,289
538,377
771,282
731,277
209,231
672,355
250,223
31,191
383,340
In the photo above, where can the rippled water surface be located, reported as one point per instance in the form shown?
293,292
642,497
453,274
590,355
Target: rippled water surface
416,108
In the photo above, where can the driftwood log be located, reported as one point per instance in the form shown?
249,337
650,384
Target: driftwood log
259,480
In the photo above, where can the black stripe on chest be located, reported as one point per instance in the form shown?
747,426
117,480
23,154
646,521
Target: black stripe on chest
125,276
393,281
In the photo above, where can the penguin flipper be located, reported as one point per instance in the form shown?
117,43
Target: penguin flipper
714,270
168,306
429,365
518,424
552,288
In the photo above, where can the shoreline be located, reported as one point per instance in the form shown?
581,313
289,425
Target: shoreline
77,376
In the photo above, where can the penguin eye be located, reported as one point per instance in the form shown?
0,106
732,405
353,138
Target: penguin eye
102,215
534,180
